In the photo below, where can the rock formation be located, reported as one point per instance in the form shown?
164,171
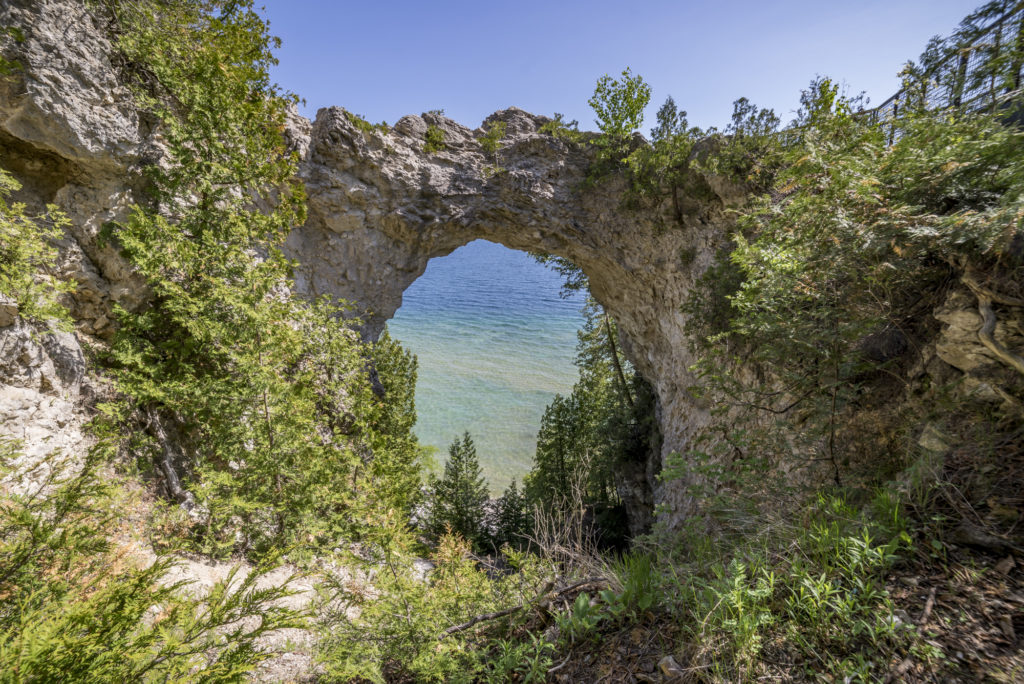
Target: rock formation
380,207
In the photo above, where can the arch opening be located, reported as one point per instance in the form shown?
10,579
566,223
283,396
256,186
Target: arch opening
495,342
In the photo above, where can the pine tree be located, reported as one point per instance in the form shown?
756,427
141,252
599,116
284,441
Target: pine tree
459,498
511,519
239,382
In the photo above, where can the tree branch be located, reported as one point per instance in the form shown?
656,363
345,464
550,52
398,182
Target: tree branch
165,461
478,619
982,291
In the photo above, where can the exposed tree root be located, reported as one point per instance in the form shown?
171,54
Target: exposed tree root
988,326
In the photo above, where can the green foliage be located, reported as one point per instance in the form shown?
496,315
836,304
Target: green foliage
521,661
400,627
75,608
491,140
640,585
27,257
433,140
995,61
559,128
750,152
855,231
601,426
512,523
573,278
580,622
619,110
268,395
458,499
663,168
10,66
814,584
365,126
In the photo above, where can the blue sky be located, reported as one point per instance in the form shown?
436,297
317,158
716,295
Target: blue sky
387,59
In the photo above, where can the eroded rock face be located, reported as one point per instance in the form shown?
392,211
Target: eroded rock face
69,131
380,206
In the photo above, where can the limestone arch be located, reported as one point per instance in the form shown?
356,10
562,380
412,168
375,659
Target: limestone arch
381,206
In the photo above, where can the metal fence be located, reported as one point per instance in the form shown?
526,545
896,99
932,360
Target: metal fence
977,72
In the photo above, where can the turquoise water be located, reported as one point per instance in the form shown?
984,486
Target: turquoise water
495,343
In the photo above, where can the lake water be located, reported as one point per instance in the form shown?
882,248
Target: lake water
495,343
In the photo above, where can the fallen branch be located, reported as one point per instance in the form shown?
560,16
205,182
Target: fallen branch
544,599
562,664
928,605
983,291
478,619
582,583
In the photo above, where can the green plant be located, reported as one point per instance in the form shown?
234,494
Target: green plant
365,126
559,128
391,617
619,110
78,608
27,257
580,621
10,66
255,402
491,140
433,140
637,575
512,523
458,498
528,661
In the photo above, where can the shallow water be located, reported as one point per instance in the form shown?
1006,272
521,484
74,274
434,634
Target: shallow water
495,343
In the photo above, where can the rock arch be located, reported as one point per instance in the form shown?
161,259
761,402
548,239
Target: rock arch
380,207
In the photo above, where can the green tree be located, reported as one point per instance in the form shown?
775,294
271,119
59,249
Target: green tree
619,108
27,256
458,499
664,167
867,231
238,382
73,609
512,519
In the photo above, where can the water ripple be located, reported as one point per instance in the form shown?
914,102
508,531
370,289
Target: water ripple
495,343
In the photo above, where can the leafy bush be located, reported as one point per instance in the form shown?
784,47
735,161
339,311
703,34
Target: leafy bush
27,257
491,140
433,140
559,128
365,126
394,618
619,107
813,586
75,608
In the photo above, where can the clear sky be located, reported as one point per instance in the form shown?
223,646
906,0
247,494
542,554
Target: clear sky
383,59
